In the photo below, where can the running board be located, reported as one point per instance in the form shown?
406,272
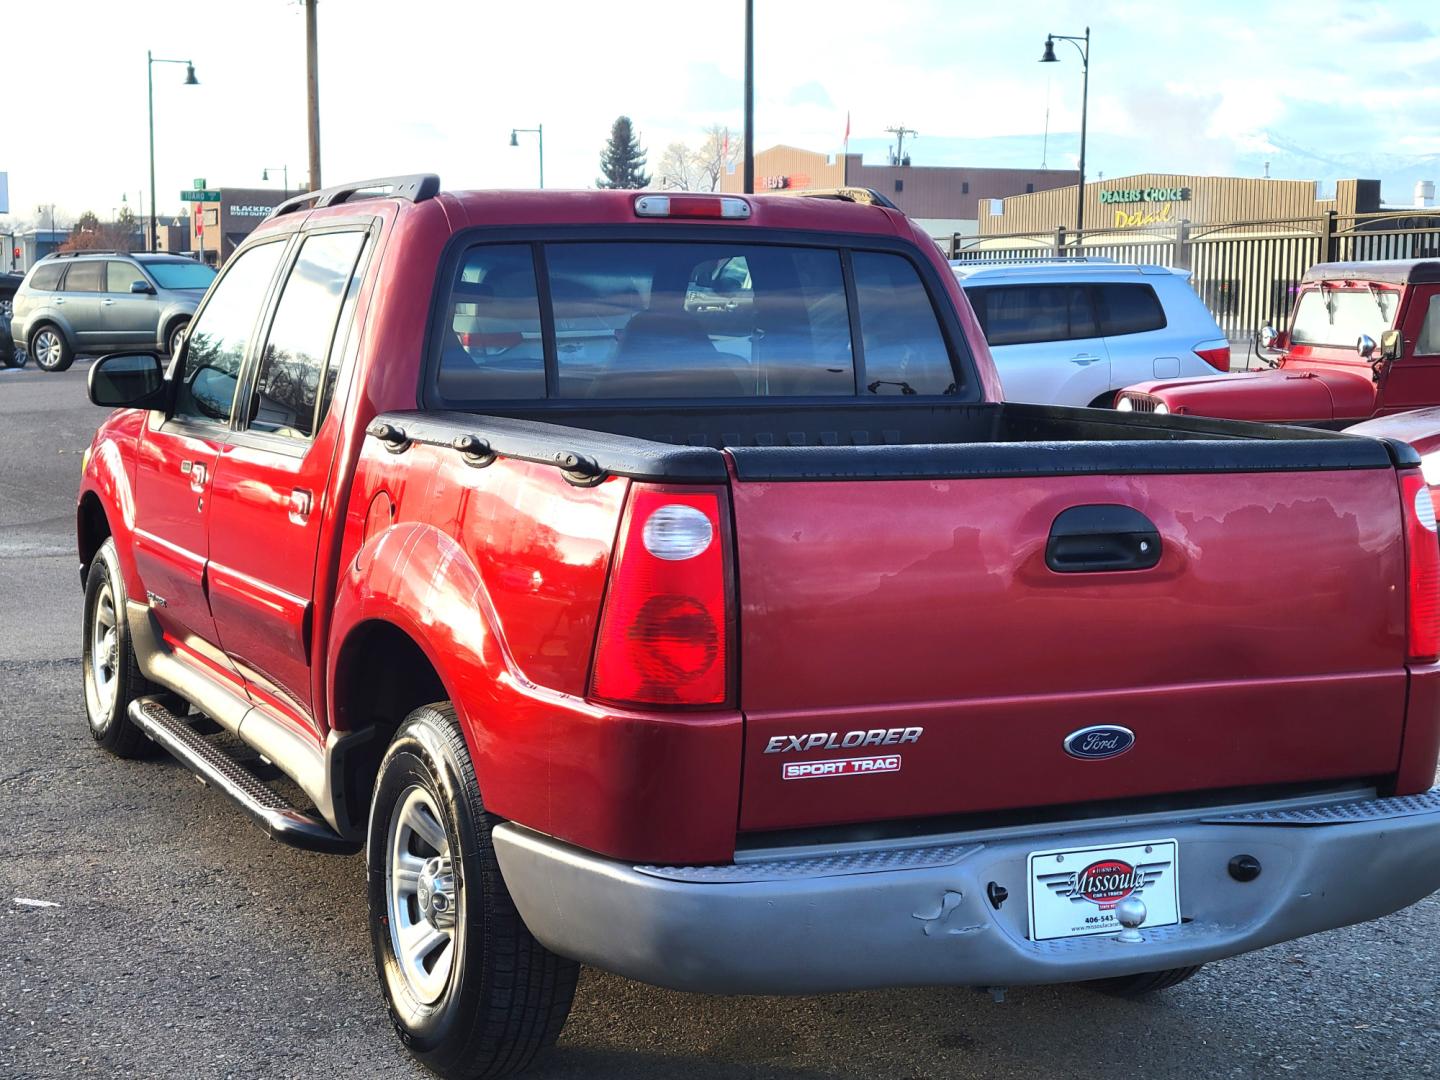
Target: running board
218,770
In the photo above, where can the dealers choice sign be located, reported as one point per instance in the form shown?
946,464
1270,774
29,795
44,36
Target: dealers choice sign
1144,206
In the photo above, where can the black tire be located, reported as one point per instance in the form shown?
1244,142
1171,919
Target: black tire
504,997
1104,401
1147,982
106,700
50,349
175,337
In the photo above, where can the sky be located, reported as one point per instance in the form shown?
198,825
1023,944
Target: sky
1317,87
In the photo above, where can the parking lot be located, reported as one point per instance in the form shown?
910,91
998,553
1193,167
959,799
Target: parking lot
172,937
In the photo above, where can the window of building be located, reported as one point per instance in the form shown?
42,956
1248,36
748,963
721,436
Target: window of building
297,350
88,276
964,187
1027,314
1029,188
46,277
1128,309
120,276
219,336
905,351
899,185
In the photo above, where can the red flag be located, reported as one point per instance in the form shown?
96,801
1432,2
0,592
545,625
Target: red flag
847,131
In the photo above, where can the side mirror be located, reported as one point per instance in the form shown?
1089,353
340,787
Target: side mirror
1392,345
142,287
1365,346
1268,336
127,381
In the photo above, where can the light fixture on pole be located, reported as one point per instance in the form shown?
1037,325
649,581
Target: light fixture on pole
190,80
1082,46
538,131
284,172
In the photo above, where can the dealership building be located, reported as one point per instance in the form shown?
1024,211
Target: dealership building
943,200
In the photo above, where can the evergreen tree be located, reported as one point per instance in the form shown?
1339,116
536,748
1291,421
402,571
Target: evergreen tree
622,161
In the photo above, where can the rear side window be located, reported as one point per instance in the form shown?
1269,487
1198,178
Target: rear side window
1428,343
296,353
120,276
702,319
1128,309
46,277
904,350
86,277
1027,314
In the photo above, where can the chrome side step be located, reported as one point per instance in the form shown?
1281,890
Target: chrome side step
217,769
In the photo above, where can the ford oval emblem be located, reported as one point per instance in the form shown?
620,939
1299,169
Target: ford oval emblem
1101,741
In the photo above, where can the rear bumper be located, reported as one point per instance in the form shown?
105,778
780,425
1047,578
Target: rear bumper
848,918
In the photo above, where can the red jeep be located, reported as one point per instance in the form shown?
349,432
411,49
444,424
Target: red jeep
743,647
1363,341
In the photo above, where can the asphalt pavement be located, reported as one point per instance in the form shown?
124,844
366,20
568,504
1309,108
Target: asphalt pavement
148,930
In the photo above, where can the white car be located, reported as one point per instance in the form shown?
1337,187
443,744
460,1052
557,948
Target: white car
1076,331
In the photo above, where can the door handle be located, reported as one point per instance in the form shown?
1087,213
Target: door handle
1101,538
299,506
59,299
1084,359
107,301
196,470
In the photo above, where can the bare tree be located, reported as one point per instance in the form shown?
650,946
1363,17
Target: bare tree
716,156
679,169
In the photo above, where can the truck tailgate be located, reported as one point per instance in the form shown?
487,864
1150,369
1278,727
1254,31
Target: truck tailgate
1266,646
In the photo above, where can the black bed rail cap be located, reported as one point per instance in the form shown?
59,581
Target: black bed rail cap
415,188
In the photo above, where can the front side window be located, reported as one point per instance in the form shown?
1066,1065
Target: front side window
904,350
1337,317
121,276
86,276
1030,314
296,353
1428,343
219,337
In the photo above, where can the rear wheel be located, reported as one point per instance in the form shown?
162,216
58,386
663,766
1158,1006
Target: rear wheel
1104,401
50,349
175,338
112,675
471,993
1147,982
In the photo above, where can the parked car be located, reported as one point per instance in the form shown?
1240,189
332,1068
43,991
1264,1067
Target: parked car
1363,341
10,355
96,302
1074,331
785,661
9,283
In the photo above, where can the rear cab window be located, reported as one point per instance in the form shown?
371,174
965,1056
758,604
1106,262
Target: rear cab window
662,318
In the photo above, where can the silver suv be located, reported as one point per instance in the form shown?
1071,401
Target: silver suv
1075,331
98,302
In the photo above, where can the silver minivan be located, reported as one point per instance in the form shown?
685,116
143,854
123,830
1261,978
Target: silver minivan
1077,331
98,302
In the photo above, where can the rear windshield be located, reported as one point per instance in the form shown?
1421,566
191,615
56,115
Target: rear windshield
1339,316
180,275
663,319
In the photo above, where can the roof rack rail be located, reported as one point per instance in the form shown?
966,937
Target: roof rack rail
86,251
1025,260
415,188
863,195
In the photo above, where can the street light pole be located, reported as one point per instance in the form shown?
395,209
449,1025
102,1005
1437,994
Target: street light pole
312,92
749,97
539,132
284,172
1048,57
150,61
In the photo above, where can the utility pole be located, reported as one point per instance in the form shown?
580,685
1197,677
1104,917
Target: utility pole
749,97
898,158
312,93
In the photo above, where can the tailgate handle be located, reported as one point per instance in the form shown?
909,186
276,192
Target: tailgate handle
1102,538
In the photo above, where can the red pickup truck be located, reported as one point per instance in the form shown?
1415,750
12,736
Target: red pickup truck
742,645
1363,342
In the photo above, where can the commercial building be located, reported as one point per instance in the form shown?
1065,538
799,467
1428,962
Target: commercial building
944,200
219,225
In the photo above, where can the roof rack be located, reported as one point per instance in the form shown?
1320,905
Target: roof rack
415,188
1019,260
863,195
86,251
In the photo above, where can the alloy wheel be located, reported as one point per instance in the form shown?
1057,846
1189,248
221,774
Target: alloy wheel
422,893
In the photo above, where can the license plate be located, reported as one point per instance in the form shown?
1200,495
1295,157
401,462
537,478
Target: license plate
1073,892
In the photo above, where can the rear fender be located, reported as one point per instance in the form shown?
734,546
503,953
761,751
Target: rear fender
109,480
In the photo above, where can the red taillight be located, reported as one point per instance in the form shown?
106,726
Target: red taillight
665,629
1219,358
1422,563
692,206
